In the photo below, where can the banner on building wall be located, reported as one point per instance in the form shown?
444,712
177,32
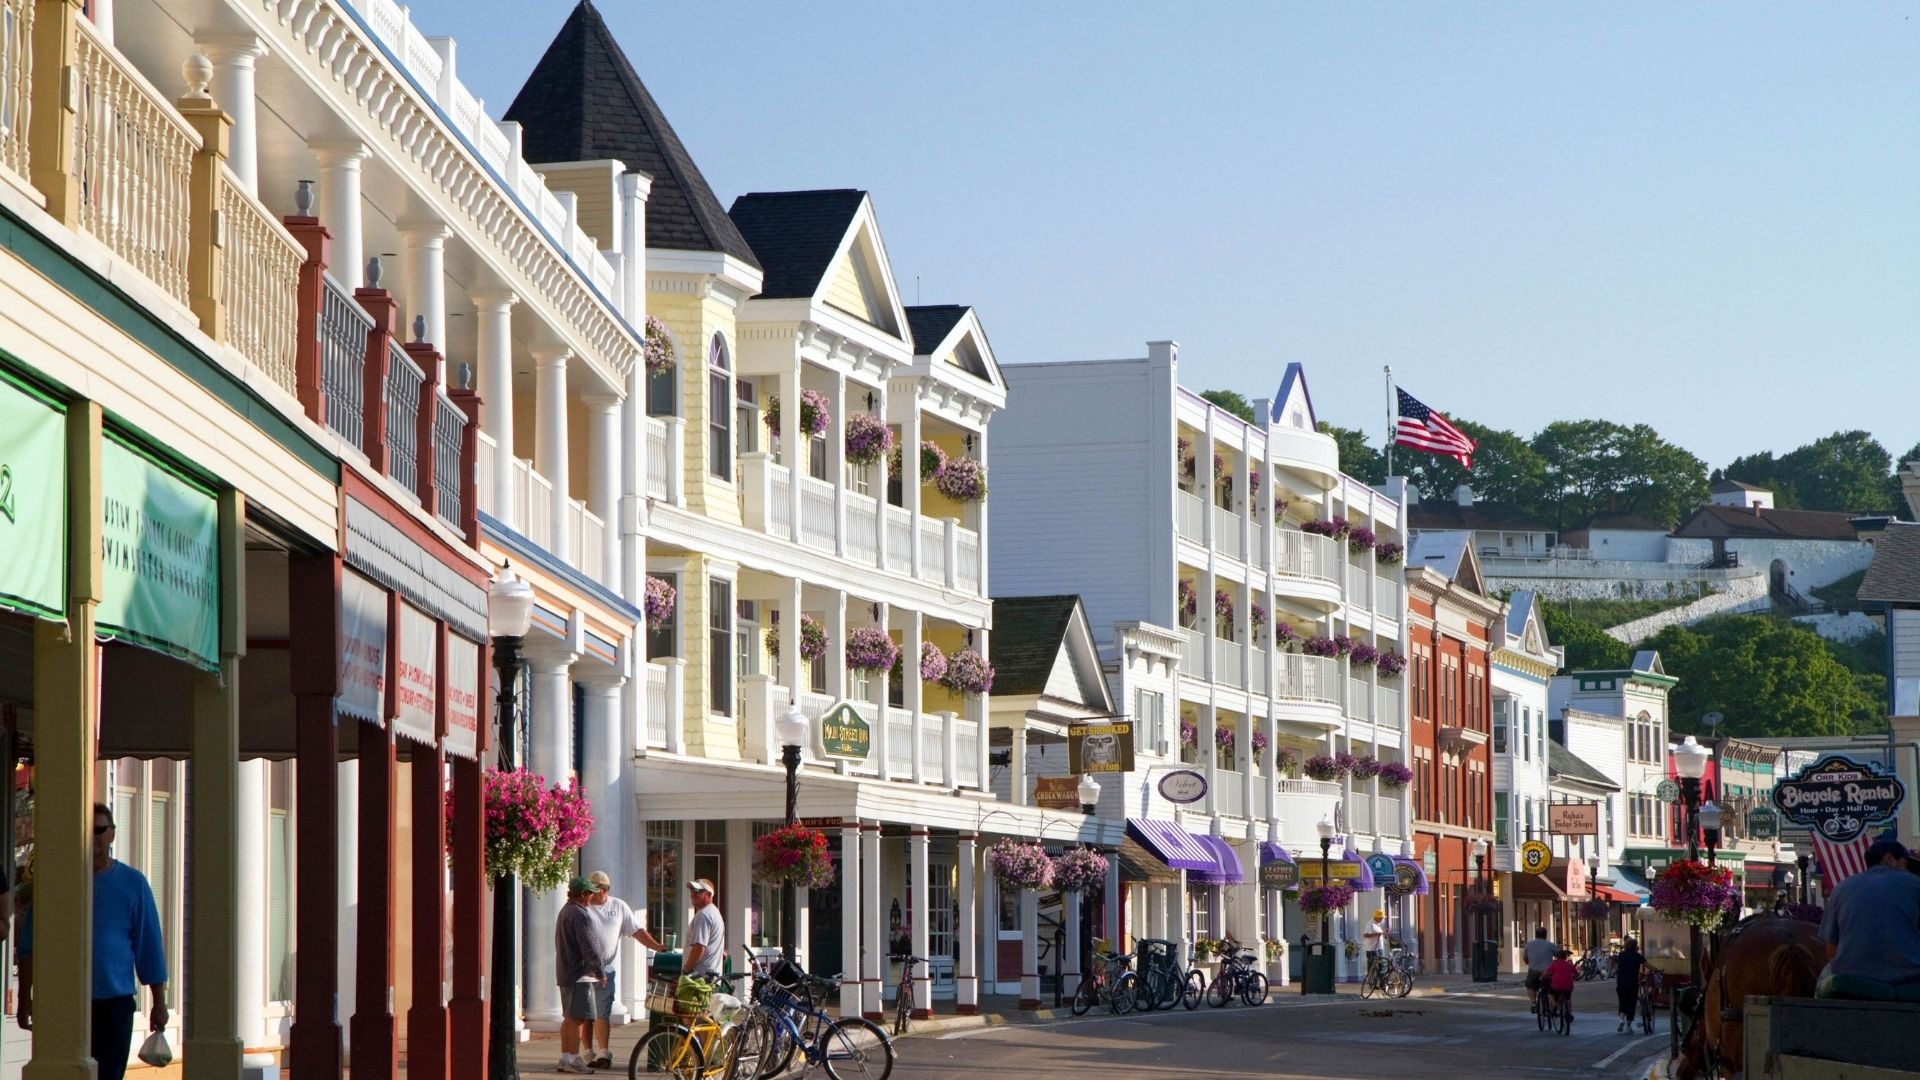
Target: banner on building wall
462,688
33,503
363,650
1102,747
1573,819
159,557
417,677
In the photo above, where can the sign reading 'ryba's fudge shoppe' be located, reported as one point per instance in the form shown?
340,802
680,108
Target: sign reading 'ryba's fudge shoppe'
417,681
159,552
33,503
463,698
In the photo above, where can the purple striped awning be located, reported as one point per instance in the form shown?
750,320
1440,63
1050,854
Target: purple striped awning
1226,868
1173,845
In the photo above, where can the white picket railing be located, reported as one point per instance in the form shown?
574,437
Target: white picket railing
1386,708
1226,533
1230,798
657,462
589,540
532,504
259,283
1226,662
1386,595
933,747
933,550
1359,588
966,576
1307,555
966,747
1257,671
1308,678
899,540
780,513
816,513
1191,514
1193,655
862,527
1360,812
900,744
660,702
16,71
1359,701
483,469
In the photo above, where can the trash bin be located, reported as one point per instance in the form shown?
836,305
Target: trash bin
1316,973
1486,961
663,976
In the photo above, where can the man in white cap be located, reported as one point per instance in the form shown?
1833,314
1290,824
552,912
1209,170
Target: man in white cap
706,933
614,921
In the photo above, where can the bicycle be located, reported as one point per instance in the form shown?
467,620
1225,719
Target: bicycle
1110,982
783,1021
1167,984
682,1050
1237,978
1561,1020
1649,986
903,996
1388,976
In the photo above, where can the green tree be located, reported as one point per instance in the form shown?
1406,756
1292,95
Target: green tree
1760,470
1594,466
1588,648
1847,470
1896,495
1767,678
1357,459
1505,469
1232,401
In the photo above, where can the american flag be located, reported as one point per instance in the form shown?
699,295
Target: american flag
1423,429
1840,860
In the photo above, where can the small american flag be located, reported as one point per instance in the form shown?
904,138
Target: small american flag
1840,860
1423,429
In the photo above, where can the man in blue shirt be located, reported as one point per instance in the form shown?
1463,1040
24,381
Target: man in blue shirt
1872,921
126,944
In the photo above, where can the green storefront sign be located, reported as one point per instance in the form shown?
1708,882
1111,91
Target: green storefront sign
844,734
33,502
159,549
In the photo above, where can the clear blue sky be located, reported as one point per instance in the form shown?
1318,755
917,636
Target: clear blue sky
1705,217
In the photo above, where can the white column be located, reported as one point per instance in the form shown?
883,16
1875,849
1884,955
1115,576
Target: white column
837,463
976,704
493,349
251,901
980,526
423,261
1017,764
233,57
1209,723
633,487
920,915
604,476
339,208
1114,907
793,445
966,973
836,623
103,22
1070,960
550,439
550,753
635,188
852,877
873,940
603,775
1029,949
739,871
883,711
347,888
910,476
793,671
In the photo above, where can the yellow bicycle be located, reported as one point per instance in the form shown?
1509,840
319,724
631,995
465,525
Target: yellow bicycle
695,1047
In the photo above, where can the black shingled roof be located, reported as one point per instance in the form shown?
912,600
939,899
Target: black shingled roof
931,323
1027,632
795,235
1562,762
1894,574
584,102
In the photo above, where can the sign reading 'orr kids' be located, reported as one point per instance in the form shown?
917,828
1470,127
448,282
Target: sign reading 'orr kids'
417,677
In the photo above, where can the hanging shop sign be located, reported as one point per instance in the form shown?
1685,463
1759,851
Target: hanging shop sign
462,689
845,734
1406,879
1056,792
1279,874
1336,869
1573,819
1839,798
1183,786
363,650
417,677
1104,747
159,551
1380,865
1763,823
33,503
1535,856
1667,791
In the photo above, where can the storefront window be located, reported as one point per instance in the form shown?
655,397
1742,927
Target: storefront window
665,845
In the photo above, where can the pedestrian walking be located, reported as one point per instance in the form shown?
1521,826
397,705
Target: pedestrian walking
615,921
1626,980
128,951
576,950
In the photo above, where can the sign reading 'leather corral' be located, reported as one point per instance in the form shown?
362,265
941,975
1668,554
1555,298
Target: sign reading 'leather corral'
1839,797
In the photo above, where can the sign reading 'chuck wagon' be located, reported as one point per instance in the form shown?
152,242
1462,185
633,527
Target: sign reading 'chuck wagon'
1840,798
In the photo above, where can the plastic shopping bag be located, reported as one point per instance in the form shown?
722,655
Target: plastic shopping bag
157,1051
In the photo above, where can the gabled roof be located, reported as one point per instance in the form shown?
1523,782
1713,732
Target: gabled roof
584,102
1441,552
1292,404
1519,610
929,325
1894,574
1481,515
1764,523
1561,762
1033,637
950,335
1723,486
1647,662
795,234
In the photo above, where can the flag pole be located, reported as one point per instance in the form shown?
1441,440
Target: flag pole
1388,368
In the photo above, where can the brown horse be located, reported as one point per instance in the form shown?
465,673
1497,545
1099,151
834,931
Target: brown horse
1764,954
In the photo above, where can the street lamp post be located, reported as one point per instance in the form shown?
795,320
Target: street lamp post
509,613
1089,790
1325,828
792,731
1690,762
1710,815
1801,861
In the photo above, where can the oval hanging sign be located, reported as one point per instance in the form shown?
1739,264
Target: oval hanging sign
1183,786
1535,857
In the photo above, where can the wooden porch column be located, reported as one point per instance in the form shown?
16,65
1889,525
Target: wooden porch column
374,1051
373,433
308,380
427,1017
313,589
472,911
425,456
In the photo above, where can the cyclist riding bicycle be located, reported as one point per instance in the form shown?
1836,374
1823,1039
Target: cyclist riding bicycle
1559,978
1539,955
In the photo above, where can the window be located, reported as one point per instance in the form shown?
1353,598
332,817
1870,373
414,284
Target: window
746,629
664,640
817,457
662,389
720,650
664,851
746,416
1149,714
1500,822
1500,727
1526,733
1201,909
1527,807
280,884
160,858
720,418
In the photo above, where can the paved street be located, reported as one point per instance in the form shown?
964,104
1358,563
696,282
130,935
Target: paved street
1457,1035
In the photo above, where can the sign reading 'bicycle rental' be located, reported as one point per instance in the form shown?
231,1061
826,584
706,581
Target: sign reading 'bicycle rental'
1839,797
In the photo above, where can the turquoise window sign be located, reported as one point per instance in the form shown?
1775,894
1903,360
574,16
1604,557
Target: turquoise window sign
33,502
159,548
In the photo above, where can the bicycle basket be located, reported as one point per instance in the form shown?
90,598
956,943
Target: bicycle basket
724,1008
660,994
691,994
787,973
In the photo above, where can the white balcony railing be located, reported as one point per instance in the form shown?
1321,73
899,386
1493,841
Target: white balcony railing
259,279
966,749
1305,800
1307,555
486,460
1227,538
1359,588
900,744
1386,596
899,540
1359,701
933,550
589,540
816,513
1192,516
532,504
656,433
665,704
1227,667
1388,820
1193,655
1308,678
780,501
16,61
1386,709
1360,813
966,571
863,528
1257,671
1230,797
933,748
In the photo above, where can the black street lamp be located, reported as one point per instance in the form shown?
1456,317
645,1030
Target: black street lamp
1325,828
1481,965
1690,762
792,730
1802,861
1710,815
509,613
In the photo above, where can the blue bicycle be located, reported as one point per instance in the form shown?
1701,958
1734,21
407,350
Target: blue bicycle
783,1023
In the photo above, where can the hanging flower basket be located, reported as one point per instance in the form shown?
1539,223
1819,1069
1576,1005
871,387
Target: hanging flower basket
1223,738
1360,540
1321,767
1341,526
1320,646
1183,458
1395,774
659,602
1189,734
1320,527
1342,644
1279,507
932,460
793,855
1350,949
1259,740
1364,655
1595,910
1222,607
1286,759
933,662
656,346
1389,554
1189,600
532,830
967,673
1695,893
1315,899
870,648
813,639
1365,768
1257,615
814,416
1019,866
1284,635
1391,664
1481,903
1219,467
1345,762
962,479
1253,484
868,439
1079,870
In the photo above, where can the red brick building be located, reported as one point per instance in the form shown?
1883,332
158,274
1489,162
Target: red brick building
1451,621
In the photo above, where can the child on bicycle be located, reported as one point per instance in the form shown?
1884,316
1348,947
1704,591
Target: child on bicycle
1560,977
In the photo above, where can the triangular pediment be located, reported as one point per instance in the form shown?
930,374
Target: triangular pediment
1292,404
860,284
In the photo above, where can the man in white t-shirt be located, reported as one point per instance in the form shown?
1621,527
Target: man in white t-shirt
706,933
615,922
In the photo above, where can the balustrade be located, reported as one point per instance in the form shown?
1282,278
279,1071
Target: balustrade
449,431
16,72
1359,588
899,540
1226,533
343,327
656,433
1226,662
403,419
1190,512
259,279
966,575
1308,678
816,513
863,527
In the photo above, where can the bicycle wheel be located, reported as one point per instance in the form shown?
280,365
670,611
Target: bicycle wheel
1540,1010
1563,1018
902,1008
1126,995
1253,988
1158,983
1646,1014
1220,991
1086,995
667,1052
1194,988
750,1048
857,1048
1398,983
